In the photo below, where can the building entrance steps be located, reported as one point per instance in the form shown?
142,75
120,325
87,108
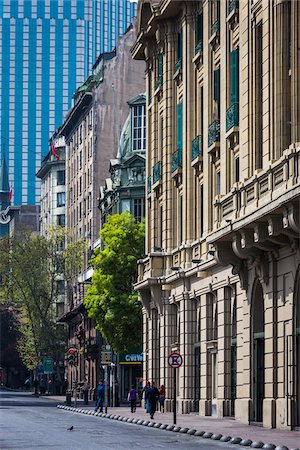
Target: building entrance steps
224,426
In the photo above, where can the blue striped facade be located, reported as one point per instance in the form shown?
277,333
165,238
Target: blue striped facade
36,89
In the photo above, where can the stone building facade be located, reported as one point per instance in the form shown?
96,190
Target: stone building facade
92,130
221,279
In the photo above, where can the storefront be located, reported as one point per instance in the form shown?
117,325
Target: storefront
130,372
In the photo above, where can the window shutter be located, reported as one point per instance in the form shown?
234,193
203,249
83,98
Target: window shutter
160,65
199,28
235,76
179,126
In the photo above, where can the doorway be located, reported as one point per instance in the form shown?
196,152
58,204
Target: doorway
258,352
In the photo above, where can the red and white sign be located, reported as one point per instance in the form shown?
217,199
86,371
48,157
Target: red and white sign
175,360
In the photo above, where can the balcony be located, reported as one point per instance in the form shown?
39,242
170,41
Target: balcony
197,148
232,116
149,184
199,47
178,71
233,13
214,133
156,172
214,38
178,65
233,6
159,82
177,160
215,28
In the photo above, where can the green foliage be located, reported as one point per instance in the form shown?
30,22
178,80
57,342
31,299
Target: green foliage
111,300
32,266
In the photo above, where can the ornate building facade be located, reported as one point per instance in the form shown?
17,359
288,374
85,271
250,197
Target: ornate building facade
92,130
221,279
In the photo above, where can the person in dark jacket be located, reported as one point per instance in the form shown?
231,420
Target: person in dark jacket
100,396
152,396
132,397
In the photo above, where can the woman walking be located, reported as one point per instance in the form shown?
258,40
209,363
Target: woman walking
132,397
161,398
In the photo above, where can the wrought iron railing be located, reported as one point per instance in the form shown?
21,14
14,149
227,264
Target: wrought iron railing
198,47
215,28
178,65
233,5
213,132
156,173
232,116
197,147
177,159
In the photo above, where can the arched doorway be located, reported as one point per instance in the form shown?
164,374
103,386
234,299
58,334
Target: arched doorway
258,352
296,418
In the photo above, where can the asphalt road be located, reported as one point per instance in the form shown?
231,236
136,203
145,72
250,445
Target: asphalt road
32,423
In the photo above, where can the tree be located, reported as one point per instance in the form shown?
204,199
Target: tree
111,300
34,271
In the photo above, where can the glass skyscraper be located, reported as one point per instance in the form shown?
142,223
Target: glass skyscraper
47,49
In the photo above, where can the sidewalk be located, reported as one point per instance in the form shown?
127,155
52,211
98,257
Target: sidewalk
226,426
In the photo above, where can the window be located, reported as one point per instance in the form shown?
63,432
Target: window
60,287
61,199
179,47
139,209
179,126
61,177
61,220
139,128
159,69
216,106
199,32
235,76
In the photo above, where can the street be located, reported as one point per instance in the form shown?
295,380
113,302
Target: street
27,422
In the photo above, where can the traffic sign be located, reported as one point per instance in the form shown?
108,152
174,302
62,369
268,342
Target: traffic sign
48,365
175,360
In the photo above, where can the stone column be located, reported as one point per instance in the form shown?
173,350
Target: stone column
169,133
188,336
282,82
224,343
205,357
188,78
169,337
295,70
244,352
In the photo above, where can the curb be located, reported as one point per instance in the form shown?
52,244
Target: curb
183,430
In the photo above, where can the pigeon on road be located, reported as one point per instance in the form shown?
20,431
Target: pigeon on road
71,428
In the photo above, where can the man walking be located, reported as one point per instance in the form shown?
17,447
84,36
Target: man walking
152,396
100,396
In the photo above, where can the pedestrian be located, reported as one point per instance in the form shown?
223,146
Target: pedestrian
85,390
161,399
100,396
27,384
152,397
132,397
145,393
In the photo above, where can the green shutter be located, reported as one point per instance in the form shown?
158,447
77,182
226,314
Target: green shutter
235,76
160,66
179,126
199,28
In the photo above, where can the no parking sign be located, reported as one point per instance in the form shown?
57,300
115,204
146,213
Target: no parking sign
175,360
